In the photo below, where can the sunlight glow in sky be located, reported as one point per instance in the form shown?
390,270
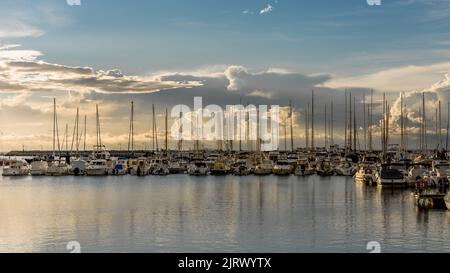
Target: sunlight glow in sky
167,51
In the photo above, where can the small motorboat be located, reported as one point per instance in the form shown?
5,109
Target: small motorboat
345,168
219,168
161,168
58,168
16,168
391,175
283,168
198,168
304,168
98,167
324,168
39,168
264,168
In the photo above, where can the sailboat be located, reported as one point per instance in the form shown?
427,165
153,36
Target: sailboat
58,166
99,166
78,164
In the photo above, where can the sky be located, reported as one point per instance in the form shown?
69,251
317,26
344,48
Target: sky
165,52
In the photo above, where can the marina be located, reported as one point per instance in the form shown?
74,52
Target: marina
423,170
234,197
225,135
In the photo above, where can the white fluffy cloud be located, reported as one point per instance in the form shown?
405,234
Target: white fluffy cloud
21,70
272,81
398,79
438,92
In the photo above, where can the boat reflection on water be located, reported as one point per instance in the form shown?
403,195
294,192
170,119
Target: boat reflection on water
213,214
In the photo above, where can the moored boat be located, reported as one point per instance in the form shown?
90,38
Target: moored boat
283,168
98,167
38,168
58,167
304,168
16,168
324,168
391,175
265,167
198,168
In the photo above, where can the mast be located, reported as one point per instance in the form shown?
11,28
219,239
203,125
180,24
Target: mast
85,133
166,141
54,126
131,130
285,134
78,125
354,125
383,130
345,126
154,130
292,126
312,122
307,127
371,122
75,140
436,127
258,130
67,137
326,136
240,126
99,137
424,122
448,126
387,125
332,124
77,130
440,126
420,130
405,129
180,143
402,139
247,129
364,122
350,122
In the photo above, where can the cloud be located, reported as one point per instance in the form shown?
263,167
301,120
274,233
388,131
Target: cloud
267,9
412,103
13,28
413,77
43,67
28,85
274,80
4,47
262,94
9,54
21,70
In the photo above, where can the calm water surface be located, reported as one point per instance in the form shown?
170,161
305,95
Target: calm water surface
213,214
